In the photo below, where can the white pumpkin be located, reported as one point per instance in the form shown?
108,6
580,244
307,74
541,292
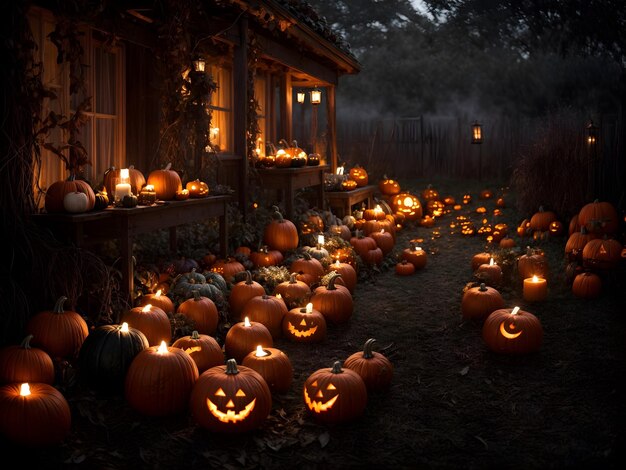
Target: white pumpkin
76,202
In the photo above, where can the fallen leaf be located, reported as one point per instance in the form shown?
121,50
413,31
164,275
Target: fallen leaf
464,371
324,438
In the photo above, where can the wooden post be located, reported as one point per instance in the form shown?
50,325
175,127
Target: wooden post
285,107
331,119
240,109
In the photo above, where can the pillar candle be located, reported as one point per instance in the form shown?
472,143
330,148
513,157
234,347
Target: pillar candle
535,289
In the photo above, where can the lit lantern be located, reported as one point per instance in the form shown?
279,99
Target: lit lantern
477,134
592,134
316,96
34,414
512,331
300,97
273,365
199,64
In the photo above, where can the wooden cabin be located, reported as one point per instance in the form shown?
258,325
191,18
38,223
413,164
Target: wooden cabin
131,69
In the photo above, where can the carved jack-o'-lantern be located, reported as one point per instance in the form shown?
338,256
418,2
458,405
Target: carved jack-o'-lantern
359,174
408,205
512,331
304,325
335,395
348,184
197,188
230,398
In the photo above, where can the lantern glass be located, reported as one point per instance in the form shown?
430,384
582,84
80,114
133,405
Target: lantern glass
300,97
477,134
592,134
198,64
316,96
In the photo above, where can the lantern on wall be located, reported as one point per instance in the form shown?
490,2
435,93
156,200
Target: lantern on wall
198,64
592,134
300,97
316,96
477,133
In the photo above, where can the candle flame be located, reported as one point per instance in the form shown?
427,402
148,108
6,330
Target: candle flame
278,296
378,208
260,352
491,263
162,347
337,263
320,239
147,308
535,278
158,293
309,307
246,322
24,390
124,173
514,311
124,327
149,187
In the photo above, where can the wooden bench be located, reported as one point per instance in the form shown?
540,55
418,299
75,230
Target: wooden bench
125,223
343,201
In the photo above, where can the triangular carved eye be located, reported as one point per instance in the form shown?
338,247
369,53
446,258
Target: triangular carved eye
314,384
240,393
331,387
220,393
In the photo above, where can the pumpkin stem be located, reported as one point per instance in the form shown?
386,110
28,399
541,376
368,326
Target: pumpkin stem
277,215
292,278
482,287
196,295
306,255
284,143
25,344
337,368
367,348
195,335
58,306
168,166
231,367
331,282
248,278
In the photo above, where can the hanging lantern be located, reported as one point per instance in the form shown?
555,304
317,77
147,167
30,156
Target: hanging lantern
477,133
300,97
198,64
316,96
592,134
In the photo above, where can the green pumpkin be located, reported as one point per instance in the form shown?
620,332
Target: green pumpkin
106,354
185,285
130,201
216,279
316,251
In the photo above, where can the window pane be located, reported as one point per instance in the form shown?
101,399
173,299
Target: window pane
221,119
104,148
105,73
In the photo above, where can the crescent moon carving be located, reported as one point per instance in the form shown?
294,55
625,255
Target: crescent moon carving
508,335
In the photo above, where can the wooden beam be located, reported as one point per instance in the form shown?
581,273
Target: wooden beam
240,109
293,58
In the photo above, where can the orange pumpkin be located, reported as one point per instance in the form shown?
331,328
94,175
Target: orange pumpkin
166,182
512,331
334,301
135,177
280,234
375,369
388,187
56,193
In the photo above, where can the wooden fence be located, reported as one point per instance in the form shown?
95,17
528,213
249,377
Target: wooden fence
439,147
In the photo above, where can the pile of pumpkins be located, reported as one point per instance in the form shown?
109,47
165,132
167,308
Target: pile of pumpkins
77,196
591,248
288,155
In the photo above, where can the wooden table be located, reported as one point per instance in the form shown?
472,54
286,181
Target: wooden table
342,201
288,180
124,224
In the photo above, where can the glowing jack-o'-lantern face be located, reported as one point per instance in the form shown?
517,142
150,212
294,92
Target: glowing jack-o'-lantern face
508,331
335,395
230,398
232,411
321,400
408,205
304,325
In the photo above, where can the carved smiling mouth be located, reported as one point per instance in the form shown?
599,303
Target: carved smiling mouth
300,334
230,416
318,406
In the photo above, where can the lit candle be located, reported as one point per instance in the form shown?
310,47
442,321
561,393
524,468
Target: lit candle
535,289
320,240
243,337
158,300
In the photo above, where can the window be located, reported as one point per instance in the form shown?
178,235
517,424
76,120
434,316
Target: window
221,107
103,136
